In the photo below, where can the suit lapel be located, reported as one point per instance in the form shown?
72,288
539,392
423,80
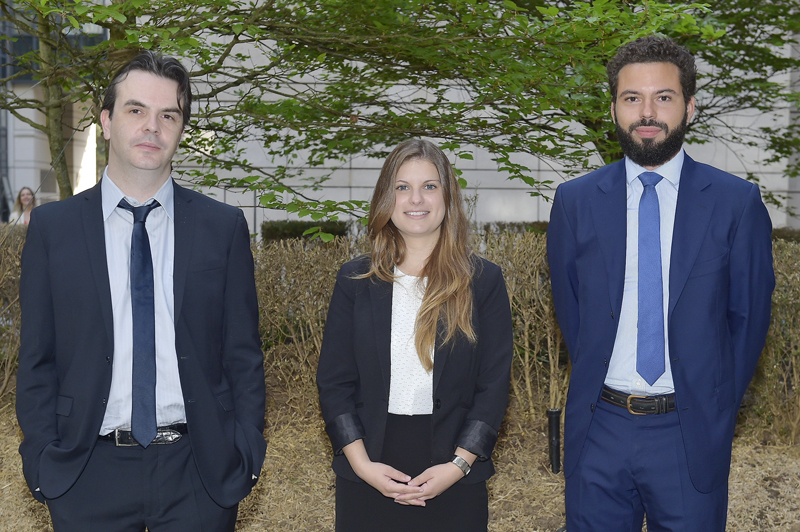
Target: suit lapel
381,297
609,214
692,216
94,232
184,237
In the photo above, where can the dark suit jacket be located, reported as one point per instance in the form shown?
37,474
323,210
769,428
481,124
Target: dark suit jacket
720,286
67,333
470,382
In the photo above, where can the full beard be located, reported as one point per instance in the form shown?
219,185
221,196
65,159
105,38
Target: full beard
648,152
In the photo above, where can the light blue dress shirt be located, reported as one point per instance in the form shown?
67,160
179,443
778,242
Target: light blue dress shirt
622,375
118,227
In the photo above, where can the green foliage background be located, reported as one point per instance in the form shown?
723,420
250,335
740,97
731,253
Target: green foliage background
310,86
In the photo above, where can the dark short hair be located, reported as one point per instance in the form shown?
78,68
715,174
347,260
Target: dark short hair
654,49
161,66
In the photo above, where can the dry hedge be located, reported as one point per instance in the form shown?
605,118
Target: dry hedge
295,279
11,240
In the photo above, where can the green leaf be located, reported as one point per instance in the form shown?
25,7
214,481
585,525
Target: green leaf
551,11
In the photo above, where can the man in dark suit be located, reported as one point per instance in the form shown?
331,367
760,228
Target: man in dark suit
140,389
662,279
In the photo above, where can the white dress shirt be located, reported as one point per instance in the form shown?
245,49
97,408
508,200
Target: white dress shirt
118,227
622,375
410,387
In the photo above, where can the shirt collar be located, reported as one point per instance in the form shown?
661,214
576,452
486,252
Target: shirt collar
111,195
671,170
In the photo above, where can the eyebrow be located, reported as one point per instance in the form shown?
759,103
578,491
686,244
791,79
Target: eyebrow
137,103
636,93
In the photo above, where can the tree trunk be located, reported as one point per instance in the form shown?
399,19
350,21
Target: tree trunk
54,110
101,152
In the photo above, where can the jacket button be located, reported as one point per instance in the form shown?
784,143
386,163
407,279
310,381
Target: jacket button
592,407
438,404
108,360
605,362
104,400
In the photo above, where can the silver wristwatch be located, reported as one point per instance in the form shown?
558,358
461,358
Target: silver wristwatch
462,464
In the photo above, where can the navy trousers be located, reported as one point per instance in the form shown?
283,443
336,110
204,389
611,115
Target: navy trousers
125,489
635,466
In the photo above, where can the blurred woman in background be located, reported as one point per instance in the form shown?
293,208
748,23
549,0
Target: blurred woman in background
25,203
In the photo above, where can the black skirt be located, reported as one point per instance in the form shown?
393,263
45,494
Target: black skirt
407,447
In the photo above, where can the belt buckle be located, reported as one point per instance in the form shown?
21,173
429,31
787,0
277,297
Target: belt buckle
167,436
119,443
629,404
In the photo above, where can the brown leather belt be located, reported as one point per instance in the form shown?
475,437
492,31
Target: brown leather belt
164,436
639,405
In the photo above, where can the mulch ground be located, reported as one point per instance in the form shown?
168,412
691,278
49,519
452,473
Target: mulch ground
296,489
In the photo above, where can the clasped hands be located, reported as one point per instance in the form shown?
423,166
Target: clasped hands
399,486
406,490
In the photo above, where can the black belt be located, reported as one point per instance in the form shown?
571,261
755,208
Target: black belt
639,404
165,435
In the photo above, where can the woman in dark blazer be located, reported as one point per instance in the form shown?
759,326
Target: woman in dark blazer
414,368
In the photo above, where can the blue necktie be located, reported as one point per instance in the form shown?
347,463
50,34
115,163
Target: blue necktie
650,334
143,411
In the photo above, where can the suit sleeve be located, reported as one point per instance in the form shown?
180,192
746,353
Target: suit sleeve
752,281
243,359
562,256
478,435
37,381
337,373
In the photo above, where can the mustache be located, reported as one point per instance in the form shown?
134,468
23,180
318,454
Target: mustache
651,122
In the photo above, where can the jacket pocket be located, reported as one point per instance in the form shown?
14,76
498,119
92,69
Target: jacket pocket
63,405
226,400
208,265
724,394
709,266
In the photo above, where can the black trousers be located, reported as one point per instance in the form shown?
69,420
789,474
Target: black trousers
362,508
125,489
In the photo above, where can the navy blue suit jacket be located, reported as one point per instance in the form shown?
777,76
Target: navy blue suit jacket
720,288
66,349
470,381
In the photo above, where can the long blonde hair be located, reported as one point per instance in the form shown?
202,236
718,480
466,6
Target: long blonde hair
449,268
18,208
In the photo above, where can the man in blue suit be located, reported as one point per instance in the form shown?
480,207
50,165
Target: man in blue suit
140,389
662,278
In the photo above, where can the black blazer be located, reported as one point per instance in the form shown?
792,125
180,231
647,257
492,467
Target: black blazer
67,344
470,382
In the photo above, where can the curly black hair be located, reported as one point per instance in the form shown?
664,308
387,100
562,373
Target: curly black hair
654,49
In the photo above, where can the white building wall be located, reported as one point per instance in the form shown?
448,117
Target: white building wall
28,151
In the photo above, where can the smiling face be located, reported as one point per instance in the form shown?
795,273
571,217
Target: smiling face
146,126
25,196
650,112
419,203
